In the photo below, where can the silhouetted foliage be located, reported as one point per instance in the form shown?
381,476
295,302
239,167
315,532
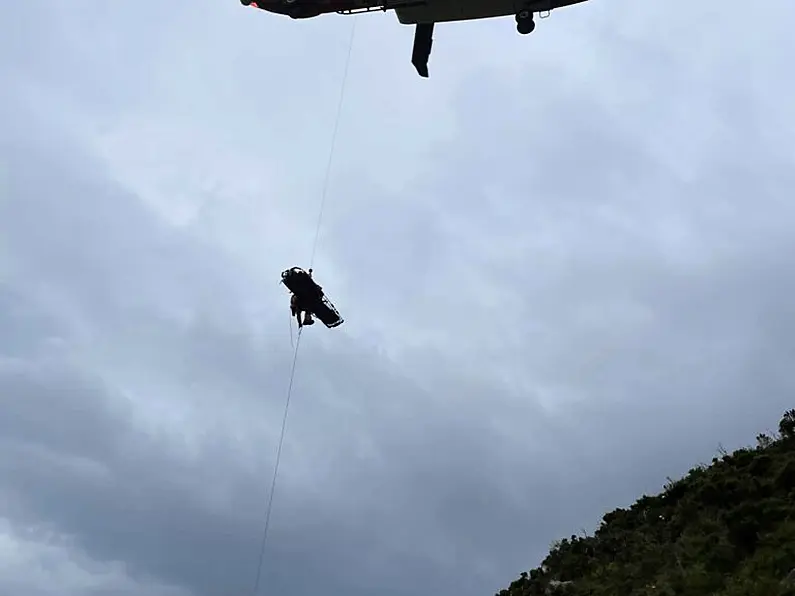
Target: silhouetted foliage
723,530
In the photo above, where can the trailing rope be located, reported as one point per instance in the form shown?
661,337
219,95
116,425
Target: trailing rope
269,507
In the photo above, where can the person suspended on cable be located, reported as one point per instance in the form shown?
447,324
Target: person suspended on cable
301,306
308,299
298,308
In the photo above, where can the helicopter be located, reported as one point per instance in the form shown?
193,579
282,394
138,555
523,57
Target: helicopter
423,14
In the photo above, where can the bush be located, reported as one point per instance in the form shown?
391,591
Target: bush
725,530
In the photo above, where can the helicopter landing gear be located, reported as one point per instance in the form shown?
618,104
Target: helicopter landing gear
524,22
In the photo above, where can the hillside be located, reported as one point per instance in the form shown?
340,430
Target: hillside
727,529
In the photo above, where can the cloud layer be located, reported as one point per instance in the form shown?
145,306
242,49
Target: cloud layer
563,262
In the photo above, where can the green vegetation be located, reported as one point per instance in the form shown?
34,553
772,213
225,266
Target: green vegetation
727,529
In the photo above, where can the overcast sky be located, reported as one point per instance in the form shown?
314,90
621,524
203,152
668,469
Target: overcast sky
564,261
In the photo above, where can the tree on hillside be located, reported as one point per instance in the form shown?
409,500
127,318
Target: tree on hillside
727,529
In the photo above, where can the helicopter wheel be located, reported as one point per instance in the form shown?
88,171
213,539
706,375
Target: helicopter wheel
525,23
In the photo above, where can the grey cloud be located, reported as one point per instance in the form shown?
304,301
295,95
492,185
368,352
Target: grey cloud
42,564
542,323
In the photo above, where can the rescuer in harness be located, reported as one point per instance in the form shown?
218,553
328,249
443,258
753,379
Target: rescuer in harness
308,298
297,306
